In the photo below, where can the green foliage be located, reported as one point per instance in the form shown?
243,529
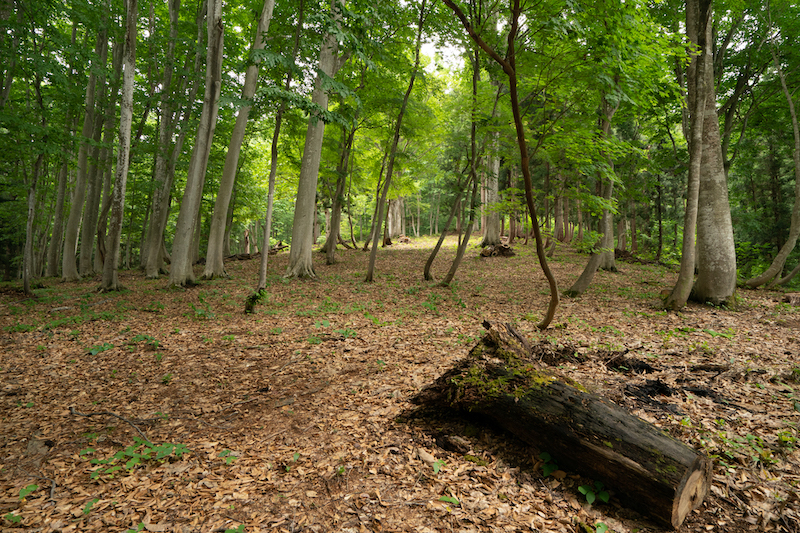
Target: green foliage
203,310
139,453
227,456
548,467
594,492
24,493
94,350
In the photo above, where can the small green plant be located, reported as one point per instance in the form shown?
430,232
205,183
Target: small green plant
347,333
275,331
13,518
322,324
600,527
449,499
549,466
594,492
228,456
437,465
229,338
24,493
237,529
166,379
94,350
313,339
141,451
139,527
154,307
88,508
430,303
202,311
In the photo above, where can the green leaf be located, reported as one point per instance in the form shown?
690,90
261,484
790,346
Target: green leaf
27,490
449,499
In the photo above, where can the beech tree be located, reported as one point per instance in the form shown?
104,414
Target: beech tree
181,272
214,264
110,280
300,254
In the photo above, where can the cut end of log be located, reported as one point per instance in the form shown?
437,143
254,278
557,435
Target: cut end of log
691,493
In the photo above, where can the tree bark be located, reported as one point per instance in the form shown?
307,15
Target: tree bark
338,196
395,140
716,250
181,271
510,68
301,263
69,267
110,279
491,178
154,252
776,267
698,30
503,379
214,264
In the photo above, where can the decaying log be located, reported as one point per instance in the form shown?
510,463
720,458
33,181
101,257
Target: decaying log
492,250
647,469
792,299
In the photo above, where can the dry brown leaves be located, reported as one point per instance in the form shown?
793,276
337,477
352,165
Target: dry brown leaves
297,416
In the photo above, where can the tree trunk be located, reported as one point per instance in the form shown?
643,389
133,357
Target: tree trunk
110,281
490,189
214,264
54,248
427,271
181,271
27,254
301,263
153,254
69,267
776,267
503,378
395,141
462,245
509,66
338,196
716,251
698,30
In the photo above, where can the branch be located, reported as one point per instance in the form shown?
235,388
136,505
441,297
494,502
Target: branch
109,413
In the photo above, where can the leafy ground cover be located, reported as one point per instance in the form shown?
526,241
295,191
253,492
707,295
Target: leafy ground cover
164,410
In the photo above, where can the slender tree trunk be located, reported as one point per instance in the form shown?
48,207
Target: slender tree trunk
305,213
110,280
154,253
181,271
462,245
214,264
427,271
338,196
69,267
698,29
776,267
395,141
604,257
54,249
509,67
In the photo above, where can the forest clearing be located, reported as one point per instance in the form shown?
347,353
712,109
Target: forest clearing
298,417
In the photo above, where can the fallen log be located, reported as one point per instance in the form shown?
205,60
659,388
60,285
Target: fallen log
647,469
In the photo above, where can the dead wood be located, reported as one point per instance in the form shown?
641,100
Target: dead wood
650,471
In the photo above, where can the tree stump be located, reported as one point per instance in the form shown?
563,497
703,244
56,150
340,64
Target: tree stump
648,470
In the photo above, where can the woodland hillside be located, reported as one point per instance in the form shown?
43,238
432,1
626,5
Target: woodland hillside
155,135
299,417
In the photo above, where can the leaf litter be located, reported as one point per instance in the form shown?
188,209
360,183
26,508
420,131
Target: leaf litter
296,418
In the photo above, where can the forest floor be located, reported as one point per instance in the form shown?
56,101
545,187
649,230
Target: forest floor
297,417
